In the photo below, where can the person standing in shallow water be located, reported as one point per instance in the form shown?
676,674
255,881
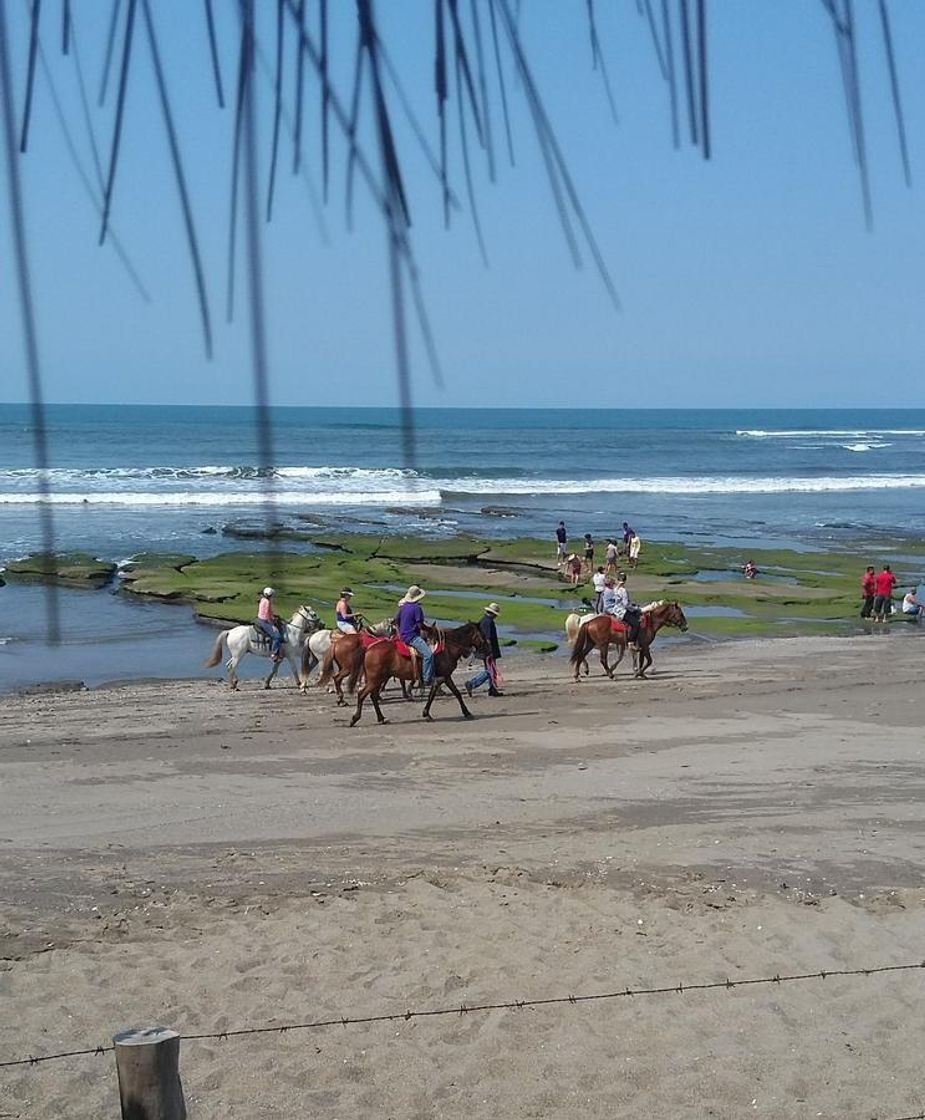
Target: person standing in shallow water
868,591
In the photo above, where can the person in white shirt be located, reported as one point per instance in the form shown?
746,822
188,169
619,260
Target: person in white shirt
913,605
597,582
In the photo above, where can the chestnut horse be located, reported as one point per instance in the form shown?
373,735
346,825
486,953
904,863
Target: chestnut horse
382,661
598,634
339,653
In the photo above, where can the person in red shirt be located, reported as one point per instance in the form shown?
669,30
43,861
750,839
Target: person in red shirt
868,591
884,582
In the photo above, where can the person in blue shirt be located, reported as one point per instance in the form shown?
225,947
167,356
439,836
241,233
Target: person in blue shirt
409,619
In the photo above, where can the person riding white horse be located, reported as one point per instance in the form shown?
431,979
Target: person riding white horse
266,622
248,638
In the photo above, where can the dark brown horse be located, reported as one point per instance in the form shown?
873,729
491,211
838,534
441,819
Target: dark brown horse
382,661
599,634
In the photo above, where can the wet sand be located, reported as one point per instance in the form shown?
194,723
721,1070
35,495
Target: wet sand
170,852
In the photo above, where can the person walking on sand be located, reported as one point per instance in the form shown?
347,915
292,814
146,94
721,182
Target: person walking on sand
409,619
635,549
598,581
573,567
868,590
490,634
561,542
884,583
266,623
347,622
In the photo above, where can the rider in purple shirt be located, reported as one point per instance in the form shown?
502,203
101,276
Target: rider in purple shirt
409,618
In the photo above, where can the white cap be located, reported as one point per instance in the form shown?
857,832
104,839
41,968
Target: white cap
268,591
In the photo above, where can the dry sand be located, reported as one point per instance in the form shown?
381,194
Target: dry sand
176,854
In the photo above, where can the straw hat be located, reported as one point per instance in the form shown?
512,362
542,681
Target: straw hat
414,594
571,556
493,609
346,592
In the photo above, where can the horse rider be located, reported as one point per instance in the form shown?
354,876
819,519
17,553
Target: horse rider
267,623
409,620
617,603
490,634
347,622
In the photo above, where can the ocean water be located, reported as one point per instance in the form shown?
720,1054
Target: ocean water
126,478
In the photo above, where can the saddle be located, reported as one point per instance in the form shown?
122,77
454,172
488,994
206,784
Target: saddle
617,627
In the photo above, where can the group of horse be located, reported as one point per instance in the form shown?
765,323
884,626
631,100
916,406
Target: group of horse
368,660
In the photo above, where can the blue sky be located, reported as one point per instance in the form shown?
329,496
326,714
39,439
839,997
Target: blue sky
748,280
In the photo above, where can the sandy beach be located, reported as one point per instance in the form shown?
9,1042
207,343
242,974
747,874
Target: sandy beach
171,853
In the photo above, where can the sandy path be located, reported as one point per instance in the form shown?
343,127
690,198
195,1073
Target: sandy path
182,854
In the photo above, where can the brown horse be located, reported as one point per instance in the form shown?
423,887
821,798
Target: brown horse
337,659
383,661
599,634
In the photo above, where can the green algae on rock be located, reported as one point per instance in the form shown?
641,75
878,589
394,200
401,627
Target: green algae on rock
69,569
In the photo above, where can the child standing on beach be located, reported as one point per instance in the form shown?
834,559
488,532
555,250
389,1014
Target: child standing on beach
573,567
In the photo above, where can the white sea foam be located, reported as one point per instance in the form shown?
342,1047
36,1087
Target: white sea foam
429,497
832,433
682,485
865,445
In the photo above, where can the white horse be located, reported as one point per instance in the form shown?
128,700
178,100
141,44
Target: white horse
248,639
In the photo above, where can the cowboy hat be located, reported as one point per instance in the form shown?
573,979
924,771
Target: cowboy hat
492,608
414,594
268,591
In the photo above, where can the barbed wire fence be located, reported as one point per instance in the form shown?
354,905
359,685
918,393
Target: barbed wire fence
463,1009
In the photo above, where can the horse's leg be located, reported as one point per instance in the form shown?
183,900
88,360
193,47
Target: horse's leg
231,665
338,685
273,672
621,647
296,669
450,684
374,696
361,696
602,650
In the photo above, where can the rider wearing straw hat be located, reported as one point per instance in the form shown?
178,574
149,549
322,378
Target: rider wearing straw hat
410,617
490,634
266,622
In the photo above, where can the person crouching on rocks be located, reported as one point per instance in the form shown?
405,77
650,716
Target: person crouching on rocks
268,624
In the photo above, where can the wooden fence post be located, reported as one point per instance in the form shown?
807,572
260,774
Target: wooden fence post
147,1061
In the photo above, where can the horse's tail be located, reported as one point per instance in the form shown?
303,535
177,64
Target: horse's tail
583,644
327,666
309,661
356,670
216,655
572,624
